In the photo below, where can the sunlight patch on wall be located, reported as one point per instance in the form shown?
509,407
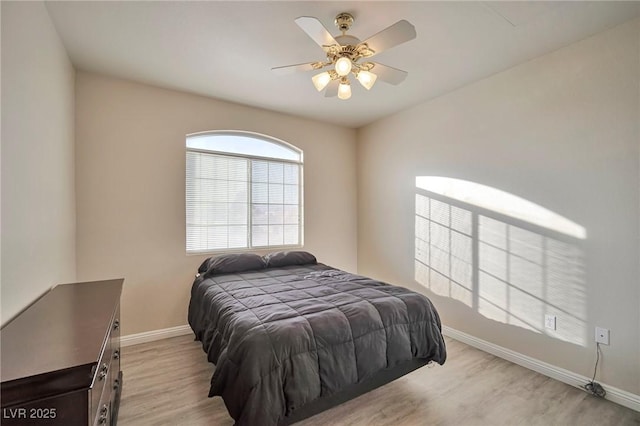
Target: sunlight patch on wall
501,202
502,271
443,249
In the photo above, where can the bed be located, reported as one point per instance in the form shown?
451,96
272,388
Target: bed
291,337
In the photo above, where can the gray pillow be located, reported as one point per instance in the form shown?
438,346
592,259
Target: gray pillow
287,258
230,263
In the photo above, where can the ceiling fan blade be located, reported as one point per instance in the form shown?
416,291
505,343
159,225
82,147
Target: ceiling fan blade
389,74
314,29
398,33
332,89
289,69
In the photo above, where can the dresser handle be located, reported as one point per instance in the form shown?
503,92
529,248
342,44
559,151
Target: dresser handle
116,324
116,384
116,355
103,372
103,414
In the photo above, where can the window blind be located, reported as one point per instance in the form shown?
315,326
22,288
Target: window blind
237,202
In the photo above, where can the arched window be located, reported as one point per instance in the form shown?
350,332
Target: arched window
243,191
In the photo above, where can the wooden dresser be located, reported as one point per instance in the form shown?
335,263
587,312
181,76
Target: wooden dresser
61,358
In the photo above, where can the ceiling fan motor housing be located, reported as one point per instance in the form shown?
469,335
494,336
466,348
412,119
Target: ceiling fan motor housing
347,48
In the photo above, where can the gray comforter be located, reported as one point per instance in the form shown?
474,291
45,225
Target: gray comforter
283,337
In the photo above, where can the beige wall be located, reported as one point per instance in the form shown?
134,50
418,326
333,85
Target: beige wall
38,195
130,171
560,131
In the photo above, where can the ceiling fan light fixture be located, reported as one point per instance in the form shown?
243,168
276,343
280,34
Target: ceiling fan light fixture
366,78
321,80
343,66
344,52
344,89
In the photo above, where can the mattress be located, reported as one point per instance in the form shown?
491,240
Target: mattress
286,339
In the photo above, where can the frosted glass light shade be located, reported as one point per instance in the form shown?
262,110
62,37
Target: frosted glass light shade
321,80
343,66
344,90
367,79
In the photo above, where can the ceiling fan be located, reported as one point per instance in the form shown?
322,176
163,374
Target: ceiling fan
348,55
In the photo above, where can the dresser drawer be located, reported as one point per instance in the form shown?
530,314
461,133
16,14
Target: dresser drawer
116,374
100,392
103,409
102,384
115,342
61,410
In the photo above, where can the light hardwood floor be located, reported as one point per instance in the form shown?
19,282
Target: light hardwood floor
166,383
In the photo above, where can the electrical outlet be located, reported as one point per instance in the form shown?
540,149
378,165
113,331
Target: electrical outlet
550,321
602,335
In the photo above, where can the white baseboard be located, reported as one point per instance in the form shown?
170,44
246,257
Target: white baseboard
614,394
150,336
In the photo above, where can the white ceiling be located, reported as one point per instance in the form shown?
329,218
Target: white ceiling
225,50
